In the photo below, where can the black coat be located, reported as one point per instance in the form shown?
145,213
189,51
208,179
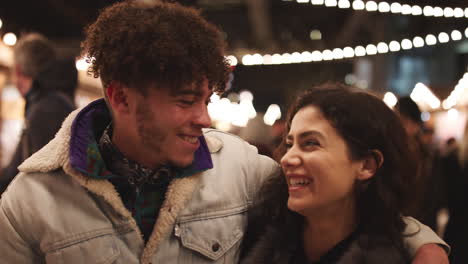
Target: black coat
48,102
274,247
456,231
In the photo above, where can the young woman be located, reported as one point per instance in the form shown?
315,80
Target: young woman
346,165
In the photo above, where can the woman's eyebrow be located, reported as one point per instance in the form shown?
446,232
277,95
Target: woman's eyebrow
306,134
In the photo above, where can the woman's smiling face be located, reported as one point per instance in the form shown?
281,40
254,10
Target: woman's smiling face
317,164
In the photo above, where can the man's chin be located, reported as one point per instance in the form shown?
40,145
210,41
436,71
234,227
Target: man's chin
182,163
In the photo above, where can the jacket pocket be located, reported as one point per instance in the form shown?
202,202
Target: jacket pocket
214,239
95,250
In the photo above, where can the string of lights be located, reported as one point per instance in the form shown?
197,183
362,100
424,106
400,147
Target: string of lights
395,7
424,97
349,52
459,94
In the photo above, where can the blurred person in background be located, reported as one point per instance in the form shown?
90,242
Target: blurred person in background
450,146
455,170
346,165
4,73
46,83
60,77
426,196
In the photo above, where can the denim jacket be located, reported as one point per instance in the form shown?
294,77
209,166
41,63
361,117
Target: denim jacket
54,213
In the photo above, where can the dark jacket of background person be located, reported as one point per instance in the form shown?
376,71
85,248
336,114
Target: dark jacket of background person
48,102
456,230
426,197
428,194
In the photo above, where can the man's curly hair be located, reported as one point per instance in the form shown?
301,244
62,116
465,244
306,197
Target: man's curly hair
140,44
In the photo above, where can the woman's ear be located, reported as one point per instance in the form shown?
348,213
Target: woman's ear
370,164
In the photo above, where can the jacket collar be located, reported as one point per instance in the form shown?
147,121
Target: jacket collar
85,156
56,153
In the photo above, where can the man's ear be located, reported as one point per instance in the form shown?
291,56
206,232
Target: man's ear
370,164
17,69
117,96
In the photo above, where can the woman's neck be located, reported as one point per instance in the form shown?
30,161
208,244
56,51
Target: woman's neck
325,229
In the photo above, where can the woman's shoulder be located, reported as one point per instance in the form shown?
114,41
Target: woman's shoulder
374,249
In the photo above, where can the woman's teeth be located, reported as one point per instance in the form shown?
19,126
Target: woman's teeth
299,181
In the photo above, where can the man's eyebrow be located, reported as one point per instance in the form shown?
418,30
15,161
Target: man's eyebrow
188,92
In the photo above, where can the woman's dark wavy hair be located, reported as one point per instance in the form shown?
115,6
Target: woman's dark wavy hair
139,43
366,124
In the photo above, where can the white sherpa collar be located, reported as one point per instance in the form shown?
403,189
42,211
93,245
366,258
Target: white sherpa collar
55,154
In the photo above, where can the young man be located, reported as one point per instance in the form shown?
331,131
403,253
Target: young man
137,180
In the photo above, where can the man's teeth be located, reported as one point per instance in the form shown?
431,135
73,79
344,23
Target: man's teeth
299,181
189,139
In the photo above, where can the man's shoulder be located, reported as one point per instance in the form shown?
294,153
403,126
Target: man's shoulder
218,140
221,135
33,188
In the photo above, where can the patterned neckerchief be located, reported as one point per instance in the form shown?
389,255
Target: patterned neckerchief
142,189
136,174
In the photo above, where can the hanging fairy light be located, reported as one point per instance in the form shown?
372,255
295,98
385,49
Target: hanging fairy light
390,99
9,39
444,37
272,114
418,42
232,60
344,4
406,44
456,35
431,40
348,52
382,47
371,49
359,51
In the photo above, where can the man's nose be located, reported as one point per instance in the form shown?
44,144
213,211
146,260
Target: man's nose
202,118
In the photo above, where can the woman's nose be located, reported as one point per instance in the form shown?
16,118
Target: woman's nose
290,158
